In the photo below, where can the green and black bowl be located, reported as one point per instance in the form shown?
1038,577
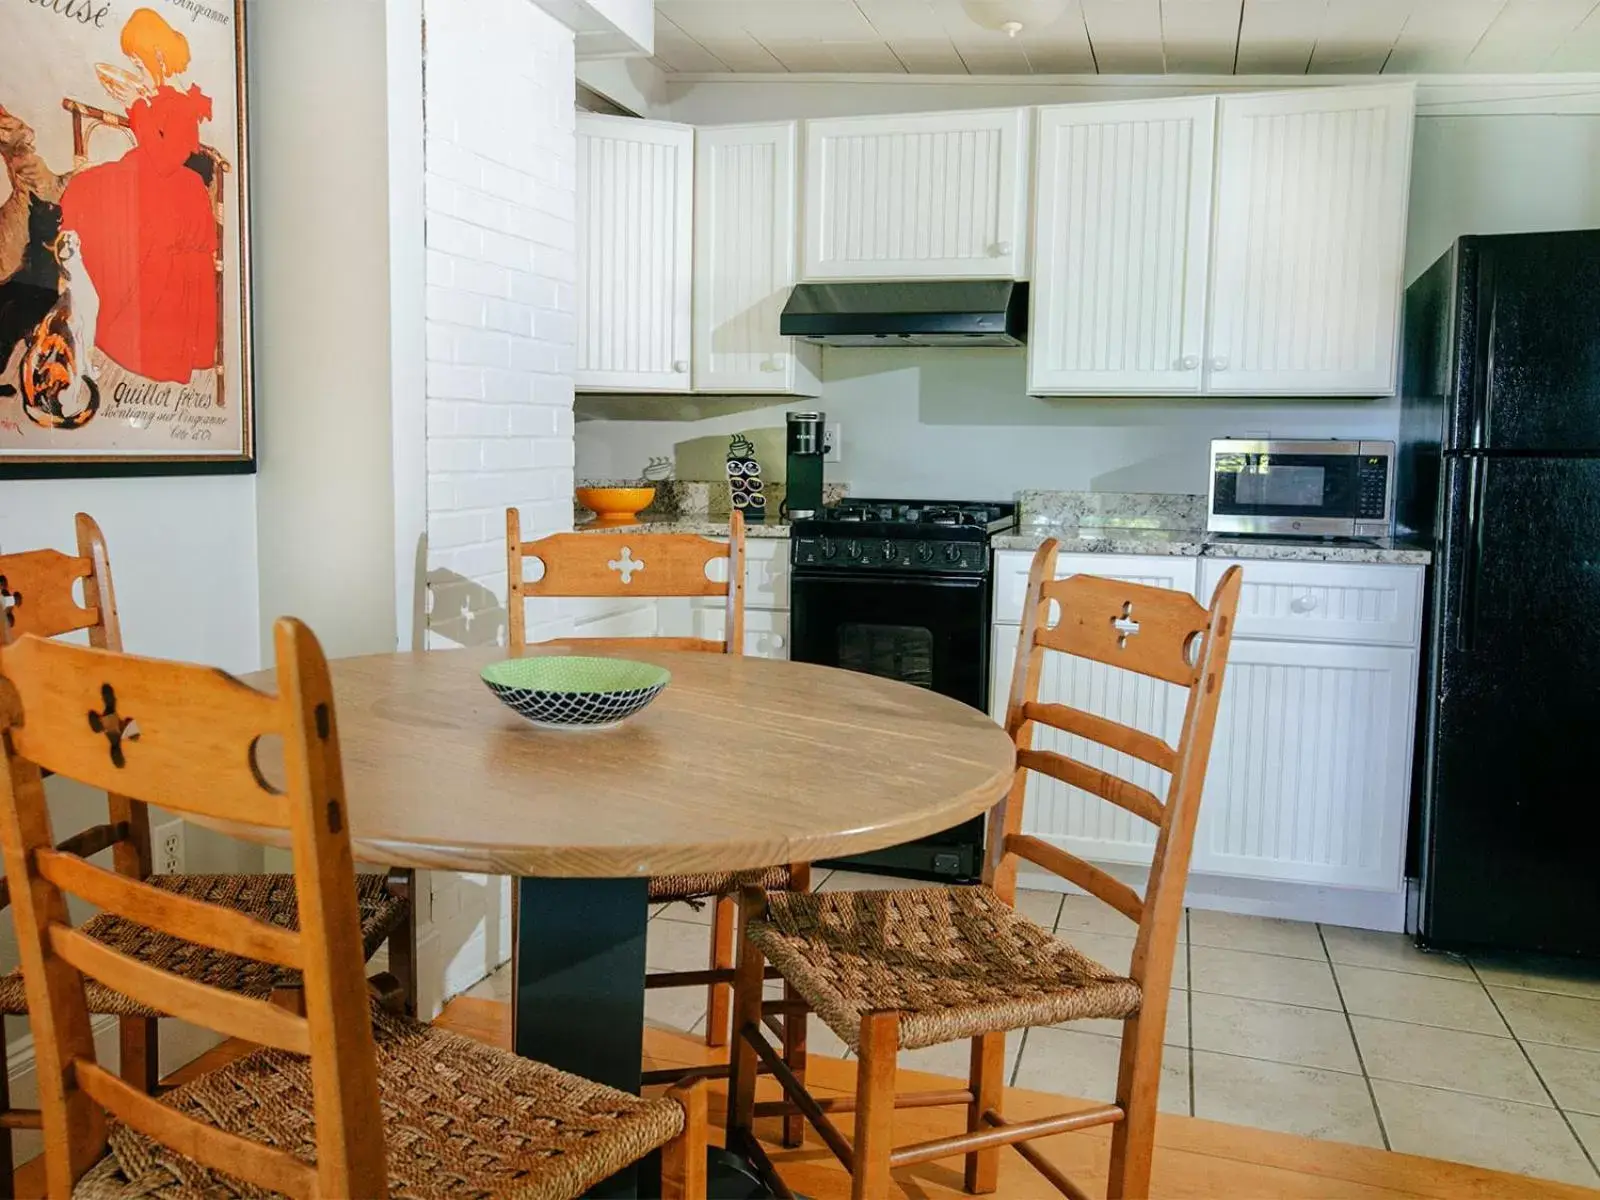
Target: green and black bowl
573,692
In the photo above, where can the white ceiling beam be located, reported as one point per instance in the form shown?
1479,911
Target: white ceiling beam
1440,34
1277,37
1200,37
1527,33
1357,36
1125,36
677,51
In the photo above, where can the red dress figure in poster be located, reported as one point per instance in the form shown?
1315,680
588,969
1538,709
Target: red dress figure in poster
150,242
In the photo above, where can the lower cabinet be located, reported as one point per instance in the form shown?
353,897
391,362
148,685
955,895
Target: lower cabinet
1311,766
1309,779
766,632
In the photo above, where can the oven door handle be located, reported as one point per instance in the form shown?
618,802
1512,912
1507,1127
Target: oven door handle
804,575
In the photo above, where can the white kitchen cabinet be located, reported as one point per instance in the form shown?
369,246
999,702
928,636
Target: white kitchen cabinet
635,204
935,195
1153,570
1121,246
746,243
1309,253
1310,769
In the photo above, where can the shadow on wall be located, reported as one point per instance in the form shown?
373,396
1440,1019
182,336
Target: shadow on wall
462,612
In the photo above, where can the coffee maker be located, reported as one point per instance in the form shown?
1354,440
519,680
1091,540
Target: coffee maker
803,498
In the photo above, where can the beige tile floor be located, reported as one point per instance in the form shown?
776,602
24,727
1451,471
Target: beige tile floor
1317,1030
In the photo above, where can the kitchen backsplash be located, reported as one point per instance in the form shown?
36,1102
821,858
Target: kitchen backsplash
959,425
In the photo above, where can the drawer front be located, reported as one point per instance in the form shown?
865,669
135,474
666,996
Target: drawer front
1153,570
1370,604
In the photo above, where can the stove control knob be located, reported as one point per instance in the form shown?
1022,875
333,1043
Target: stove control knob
827,547
924,552
853,549
952,553
891,552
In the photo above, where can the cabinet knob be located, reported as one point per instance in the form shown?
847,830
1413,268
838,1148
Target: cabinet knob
680,366
1303,604
1220,363
1000,248
1189,362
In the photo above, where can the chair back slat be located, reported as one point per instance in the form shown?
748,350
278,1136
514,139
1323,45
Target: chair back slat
647,566
1099,884
1112,734
193,920
198,1003
271,1169
1129,796
1153,632
1147,630
37,592
184,734
188,736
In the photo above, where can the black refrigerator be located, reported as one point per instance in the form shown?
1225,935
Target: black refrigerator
1499,470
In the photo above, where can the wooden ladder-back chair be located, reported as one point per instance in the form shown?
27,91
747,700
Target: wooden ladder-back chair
656,566
344,1099
37,592
891,971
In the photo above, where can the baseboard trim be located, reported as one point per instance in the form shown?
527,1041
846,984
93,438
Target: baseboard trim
1382,911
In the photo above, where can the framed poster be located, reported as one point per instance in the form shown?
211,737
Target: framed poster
124,243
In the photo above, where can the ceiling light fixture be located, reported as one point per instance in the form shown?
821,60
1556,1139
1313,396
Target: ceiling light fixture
1013,17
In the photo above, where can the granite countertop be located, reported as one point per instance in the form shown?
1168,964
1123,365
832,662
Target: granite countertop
702,523
1091,523
1189,543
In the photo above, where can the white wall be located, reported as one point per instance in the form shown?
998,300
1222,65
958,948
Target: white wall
324,496
959,424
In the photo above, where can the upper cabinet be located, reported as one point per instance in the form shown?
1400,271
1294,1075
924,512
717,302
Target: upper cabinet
1121,247
1310,244
937,195
745,244
635,203
1287,284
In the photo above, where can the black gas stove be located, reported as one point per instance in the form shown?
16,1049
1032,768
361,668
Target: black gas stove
902,589
917,536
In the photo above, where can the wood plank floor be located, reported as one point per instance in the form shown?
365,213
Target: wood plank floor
1195,1159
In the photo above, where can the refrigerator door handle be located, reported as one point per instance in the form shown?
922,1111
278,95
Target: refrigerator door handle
1471,553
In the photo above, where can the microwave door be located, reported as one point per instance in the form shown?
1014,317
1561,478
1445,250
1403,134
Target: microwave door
1268,490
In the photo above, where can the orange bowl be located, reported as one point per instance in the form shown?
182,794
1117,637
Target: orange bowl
616,503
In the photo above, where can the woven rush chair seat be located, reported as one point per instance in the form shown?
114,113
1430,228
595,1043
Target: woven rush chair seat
268,898
665,888
956,962
461,1119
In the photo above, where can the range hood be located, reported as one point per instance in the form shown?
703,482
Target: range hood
969,312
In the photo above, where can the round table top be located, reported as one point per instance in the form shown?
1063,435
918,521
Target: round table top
739,763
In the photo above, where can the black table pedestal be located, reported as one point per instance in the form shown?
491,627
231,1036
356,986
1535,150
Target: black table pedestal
577,1004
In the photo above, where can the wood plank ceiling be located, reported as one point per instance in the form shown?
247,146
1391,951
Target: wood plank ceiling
1128,37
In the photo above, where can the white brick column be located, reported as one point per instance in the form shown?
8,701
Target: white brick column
501,329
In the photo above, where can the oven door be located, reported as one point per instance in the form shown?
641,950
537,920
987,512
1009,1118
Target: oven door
928,631
1285,487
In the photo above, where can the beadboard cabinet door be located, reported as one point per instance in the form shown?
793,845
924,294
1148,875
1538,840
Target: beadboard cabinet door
1310,773
936,195
746,243
1309,252
1121,242
635,206
1079,821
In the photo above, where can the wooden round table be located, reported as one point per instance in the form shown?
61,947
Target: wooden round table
740,763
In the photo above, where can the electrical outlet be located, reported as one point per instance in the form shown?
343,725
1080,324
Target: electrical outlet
832,442
168,848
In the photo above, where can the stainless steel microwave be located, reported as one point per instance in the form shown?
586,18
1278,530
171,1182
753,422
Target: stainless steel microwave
1302,489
